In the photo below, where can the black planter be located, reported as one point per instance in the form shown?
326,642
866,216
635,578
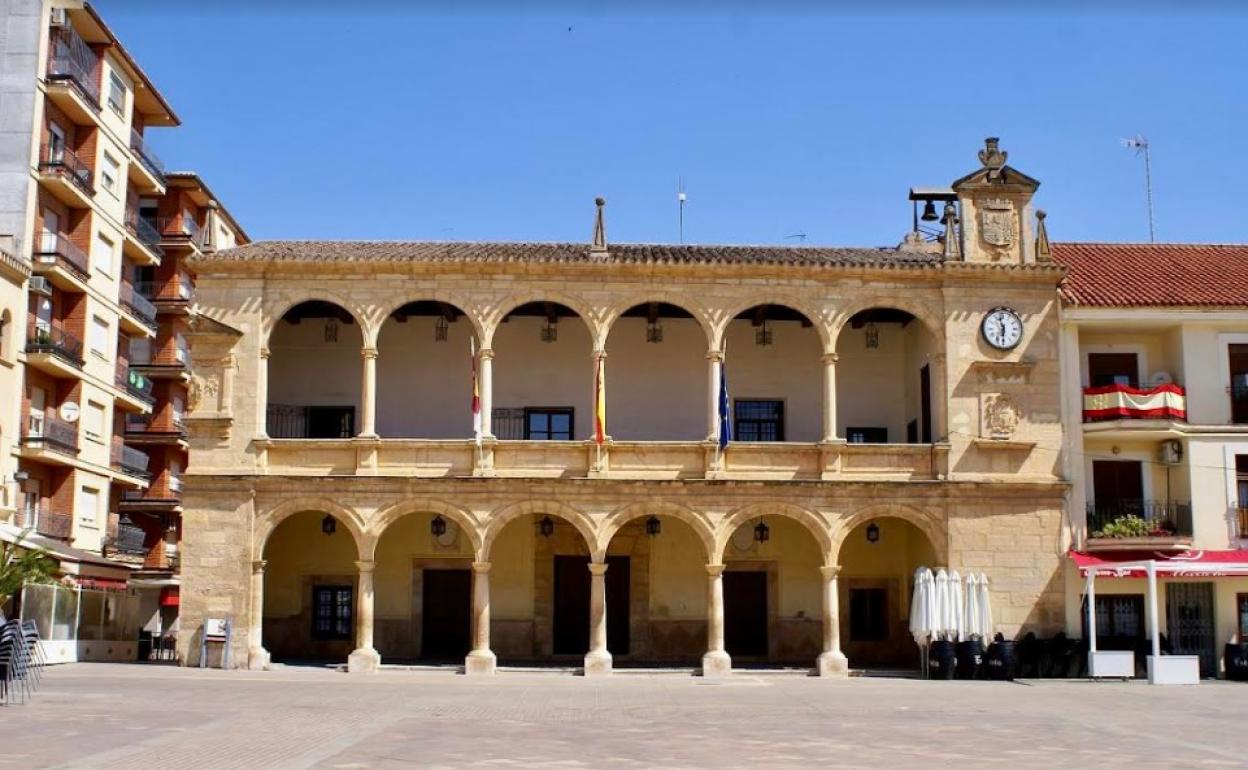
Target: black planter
941,660
970,659
1001,661
1236,659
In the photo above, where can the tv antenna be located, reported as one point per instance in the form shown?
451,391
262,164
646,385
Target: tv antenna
680,209
799,237
1140,144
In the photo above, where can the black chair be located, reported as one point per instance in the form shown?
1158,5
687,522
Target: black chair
1029,651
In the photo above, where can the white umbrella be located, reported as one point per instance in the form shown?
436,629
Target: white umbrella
940,625
970,610
921,606
985,608
956,628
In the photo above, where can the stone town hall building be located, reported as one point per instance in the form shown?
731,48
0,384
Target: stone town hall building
337,506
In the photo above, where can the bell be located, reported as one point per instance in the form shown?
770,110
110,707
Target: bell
929,211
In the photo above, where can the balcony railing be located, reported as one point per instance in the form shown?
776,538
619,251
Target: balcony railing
138,305
142,423
1139,518
1243,521
129,540
286,421
47,523
44,428
66,69
134,383
1123,402
58,342
177,227
144,231
130,460
58,249
61,161
149,495
145,154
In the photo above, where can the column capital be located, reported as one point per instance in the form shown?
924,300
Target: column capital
830,573
715,355
831,358
264,351
257,567
597,569
481,567
714,570
366,566
598,354
486,354
367,353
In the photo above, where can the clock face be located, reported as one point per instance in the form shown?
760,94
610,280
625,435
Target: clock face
1002,328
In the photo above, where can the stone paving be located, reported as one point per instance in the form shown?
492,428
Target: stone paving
132,716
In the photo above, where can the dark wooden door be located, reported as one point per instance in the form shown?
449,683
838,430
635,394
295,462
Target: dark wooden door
925,403
745,613
1113,369
1117,487
571,605
446,614
618,581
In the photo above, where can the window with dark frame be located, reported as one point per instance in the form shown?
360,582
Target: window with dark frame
1113,369
1241,480
756,419
868,614
332,612
1242,602
549,423
866,435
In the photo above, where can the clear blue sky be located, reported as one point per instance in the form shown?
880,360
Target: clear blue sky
379,120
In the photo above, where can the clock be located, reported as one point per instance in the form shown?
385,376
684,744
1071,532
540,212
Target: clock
1002,328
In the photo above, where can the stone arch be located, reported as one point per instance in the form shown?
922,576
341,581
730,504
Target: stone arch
929,525
583,310
814,313
269,320
630,511
812,521
389,515
935,326
508,513
266,524
685,303
461,303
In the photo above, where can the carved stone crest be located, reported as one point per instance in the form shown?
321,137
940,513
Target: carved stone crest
202,387
997,223
1002,415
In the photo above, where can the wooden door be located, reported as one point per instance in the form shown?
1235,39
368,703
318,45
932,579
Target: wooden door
446,614
571,605
618,581
1117,489
745,614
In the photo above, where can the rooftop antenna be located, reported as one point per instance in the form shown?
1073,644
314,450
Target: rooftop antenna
799,237
680,213
1140,144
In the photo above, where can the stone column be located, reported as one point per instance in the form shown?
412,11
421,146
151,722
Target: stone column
364,658
713,360
716,661
262,394
485,373
598,659
832,661
257,656
368,398
481,659
829,396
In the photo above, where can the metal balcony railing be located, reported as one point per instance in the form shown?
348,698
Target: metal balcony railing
146,156
1160,518
47,523
66,69
58,249
44,428
58,342
177,227
287,421
133,383
130,540
149,495
62,161
138,305
130,460
144,231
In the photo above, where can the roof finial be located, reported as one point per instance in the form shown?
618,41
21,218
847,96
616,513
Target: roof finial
952,248
993,158
1044,252
598,247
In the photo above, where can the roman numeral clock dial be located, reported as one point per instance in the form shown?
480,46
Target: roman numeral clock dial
1002,328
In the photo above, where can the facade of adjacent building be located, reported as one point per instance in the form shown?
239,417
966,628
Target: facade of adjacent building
339,506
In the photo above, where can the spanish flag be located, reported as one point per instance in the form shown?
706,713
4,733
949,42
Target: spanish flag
600,402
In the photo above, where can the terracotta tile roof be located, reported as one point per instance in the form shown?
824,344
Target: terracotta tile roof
1154,274
619,253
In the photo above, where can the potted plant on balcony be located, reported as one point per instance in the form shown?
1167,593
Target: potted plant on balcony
20,565
1125,526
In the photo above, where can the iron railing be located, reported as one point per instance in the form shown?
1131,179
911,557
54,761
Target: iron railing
129,540
45,429
67,69
48,523
142,423
57,248
507,423
145,155
1243,521
130,460
134,383
1165,518
144,231
149,495
58,342
62,161
146,289
140,306
287,421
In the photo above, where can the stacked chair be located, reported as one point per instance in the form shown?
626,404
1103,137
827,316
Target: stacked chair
21,661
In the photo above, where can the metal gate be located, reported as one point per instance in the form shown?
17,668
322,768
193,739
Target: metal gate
1189,623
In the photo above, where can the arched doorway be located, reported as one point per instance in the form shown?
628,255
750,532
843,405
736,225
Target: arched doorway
656,375
543,375
314,373
773,361
424,372
878,559
310,589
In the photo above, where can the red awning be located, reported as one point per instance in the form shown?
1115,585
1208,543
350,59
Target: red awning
170,596
106,584
1194,563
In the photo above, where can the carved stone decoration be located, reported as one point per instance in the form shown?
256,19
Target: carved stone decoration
997,224
204,389
1001,416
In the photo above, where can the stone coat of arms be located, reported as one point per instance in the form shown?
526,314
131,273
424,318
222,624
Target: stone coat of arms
1002,414
997,222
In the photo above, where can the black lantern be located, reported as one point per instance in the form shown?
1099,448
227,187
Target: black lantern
438,526
873,533
762,335
653,526
331,329
873,335
329,525
546,526
762,532
440,329
550,332
654,331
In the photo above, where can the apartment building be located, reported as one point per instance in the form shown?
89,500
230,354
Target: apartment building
1155,347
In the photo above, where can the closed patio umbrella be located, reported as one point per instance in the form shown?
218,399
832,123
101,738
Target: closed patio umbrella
985,608
956,629
922,612
940,622
971,620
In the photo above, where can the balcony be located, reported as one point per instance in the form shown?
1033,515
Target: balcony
130,461
53,350
129,540
150,500
142,243
141,429
1136,524
46,431
149,165
61,261
136,390
72,87
140,309
1109,408
1239,403
178,229
1242,514
67,177
47,523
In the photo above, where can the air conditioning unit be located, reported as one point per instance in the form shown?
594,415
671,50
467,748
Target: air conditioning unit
1171,452
39,285
1161,378
59,17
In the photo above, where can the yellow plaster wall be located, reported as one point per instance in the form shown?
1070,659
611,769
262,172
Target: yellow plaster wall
403,541
298,548
798,560
511,573
678,577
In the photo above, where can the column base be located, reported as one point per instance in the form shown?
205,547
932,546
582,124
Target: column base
598,664
833,665
480,662
363,661
258,659
716,665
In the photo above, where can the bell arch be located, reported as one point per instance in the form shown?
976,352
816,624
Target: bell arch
812,521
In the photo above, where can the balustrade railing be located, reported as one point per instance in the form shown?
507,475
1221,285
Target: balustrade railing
62,161
1139,518
58,342
58,249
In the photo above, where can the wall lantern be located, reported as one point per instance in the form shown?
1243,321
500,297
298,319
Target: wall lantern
546,526
762,335
873,533
653,526
331,329
329,525
762,532
873,335
440,329
654,331
438,526
550,332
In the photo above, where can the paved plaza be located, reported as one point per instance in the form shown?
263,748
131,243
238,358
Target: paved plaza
103,715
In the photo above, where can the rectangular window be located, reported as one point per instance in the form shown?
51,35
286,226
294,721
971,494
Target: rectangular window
548,423
88,506
102,255
56,143
99,336
332,612
1119,621
758,420
866,435
176,403
110,172
117,94
868,614
1242,602
1113,369
93,421
183,352
1238,355
1117,490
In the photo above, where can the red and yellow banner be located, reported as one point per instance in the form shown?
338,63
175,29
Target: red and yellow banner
1115,402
